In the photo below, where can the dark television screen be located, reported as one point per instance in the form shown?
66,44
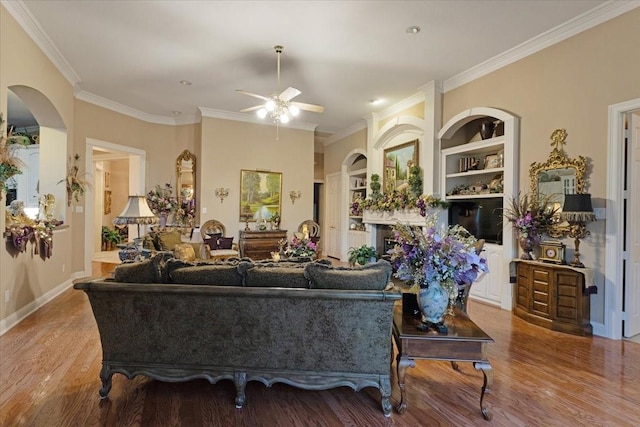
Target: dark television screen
481,217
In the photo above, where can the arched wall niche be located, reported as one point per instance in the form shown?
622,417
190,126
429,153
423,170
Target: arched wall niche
52,146
395,132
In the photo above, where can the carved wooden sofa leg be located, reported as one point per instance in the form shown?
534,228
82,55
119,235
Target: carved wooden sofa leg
105,376
385,400
240,380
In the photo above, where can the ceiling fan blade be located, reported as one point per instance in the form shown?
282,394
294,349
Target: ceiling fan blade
289,93
244,92
257,107
309,107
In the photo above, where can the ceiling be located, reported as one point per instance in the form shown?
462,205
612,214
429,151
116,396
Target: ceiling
132,55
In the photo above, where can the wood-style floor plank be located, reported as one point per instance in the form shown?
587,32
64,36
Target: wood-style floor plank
50,364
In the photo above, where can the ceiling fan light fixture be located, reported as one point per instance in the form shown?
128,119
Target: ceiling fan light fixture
284,118
270,105
262,113
293,110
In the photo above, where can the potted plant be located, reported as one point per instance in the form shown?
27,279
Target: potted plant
362,255
110,238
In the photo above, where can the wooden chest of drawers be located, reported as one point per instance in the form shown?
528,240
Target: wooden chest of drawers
553,296
258,245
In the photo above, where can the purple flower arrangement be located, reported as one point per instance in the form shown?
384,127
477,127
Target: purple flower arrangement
301,248
161,200
531,216
447,257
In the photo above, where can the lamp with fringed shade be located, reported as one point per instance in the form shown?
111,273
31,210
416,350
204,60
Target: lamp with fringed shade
137,211
577,211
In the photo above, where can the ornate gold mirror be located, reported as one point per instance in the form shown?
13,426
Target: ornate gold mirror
186,177
559,175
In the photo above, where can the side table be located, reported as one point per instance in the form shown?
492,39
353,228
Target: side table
464,342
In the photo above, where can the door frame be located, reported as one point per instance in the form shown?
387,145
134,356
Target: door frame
613,292
137,174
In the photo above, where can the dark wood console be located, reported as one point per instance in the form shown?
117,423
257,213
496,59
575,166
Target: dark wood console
554,296
259,244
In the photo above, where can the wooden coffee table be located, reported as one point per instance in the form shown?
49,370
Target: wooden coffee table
464,342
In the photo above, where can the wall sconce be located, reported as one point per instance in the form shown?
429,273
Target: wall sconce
294,195
577,211
222,193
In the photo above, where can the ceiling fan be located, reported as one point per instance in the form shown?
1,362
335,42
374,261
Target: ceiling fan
280,107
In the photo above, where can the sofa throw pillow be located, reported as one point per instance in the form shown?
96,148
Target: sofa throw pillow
225,242
212,241
167,240
373,277
152,270
184,251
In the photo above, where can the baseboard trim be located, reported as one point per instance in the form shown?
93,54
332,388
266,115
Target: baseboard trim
599,329
13,319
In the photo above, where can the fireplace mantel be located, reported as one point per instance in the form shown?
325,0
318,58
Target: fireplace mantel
411,217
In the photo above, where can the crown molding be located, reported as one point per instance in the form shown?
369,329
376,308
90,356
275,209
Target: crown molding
580,23
30,25
132,112
361,124
250,118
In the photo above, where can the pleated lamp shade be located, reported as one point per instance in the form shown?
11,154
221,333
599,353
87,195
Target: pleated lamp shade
137,211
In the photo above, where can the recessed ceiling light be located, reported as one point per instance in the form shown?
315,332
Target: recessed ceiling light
414,29
176,112
185,82
375,101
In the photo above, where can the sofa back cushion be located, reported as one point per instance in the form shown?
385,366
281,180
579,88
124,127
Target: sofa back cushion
220,273
372,277
152,270
276,275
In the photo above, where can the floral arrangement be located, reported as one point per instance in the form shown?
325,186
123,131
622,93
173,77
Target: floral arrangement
446,256
9,163
397,200
76,182
161,200
186,209
531,216
300,248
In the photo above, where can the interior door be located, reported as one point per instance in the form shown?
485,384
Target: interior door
332,226
632,264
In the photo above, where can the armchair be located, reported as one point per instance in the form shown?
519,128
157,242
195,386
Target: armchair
214,230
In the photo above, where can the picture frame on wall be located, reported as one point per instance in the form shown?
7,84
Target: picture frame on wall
260,195
107,202
397,162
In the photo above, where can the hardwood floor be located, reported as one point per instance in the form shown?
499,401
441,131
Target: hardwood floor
50,364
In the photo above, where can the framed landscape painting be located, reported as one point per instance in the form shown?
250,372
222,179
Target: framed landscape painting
397,161
260,195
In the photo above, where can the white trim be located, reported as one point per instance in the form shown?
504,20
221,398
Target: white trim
30,25
252,118
361,124
138,167
14,318
91,98
580,23
613,293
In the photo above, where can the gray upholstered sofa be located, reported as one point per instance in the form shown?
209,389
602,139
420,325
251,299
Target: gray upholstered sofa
308,325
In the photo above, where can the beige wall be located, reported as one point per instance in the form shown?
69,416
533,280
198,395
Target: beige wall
26,275
335,153
229,146
569,85
416,110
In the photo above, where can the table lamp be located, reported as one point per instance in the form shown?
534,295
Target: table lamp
577,211
137,211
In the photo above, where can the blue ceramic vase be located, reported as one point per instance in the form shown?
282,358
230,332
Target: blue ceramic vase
433,301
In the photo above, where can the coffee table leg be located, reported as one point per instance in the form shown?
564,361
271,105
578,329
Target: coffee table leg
487,371
402,363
